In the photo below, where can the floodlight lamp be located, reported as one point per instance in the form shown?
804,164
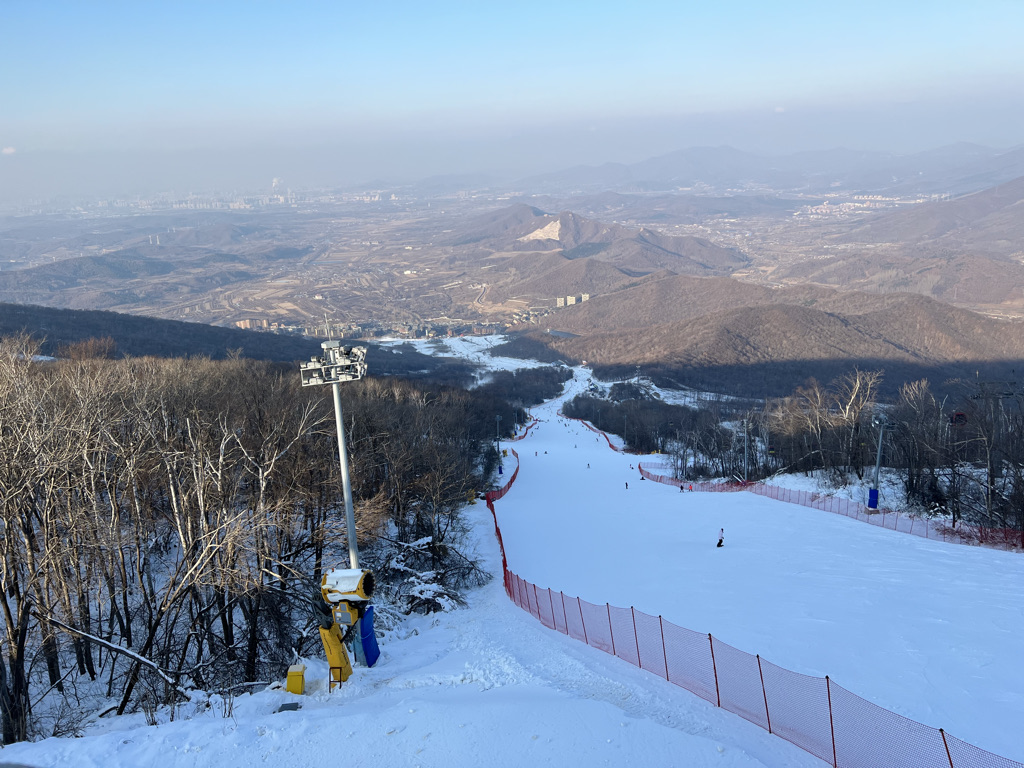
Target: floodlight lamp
340,364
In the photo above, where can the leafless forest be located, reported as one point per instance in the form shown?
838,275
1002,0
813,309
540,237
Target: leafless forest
960,457
164,521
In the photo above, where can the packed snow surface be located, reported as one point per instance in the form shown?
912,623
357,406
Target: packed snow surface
929,630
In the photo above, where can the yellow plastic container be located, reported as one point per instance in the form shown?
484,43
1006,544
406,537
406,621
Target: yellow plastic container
296,679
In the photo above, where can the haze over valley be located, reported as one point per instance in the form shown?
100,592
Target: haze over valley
707,258
683,188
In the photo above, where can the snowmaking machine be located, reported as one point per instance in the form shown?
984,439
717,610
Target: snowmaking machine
347,617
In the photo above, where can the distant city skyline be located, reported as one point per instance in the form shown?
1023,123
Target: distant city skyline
199,93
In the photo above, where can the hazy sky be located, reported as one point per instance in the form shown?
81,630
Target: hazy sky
430,87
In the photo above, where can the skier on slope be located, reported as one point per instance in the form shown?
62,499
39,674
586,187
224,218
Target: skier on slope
721,537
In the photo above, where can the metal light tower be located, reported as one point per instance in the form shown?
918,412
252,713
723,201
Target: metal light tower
882,423
746,442
497,438
337,365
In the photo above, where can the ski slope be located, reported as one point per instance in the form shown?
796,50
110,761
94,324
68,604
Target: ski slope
931,631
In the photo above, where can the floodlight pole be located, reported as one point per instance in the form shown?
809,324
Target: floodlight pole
346,483
746,440
873,492
497,439
337,365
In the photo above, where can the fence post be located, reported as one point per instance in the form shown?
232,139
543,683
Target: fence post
611,631
767,714
639,663
536,601
664,651
551,602
582,621
714,668
565,616
948,756
831,725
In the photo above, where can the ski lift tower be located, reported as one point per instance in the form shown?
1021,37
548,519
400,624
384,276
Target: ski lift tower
339,364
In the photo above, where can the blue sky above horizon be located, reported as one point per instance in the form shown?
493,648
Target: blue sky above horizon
165,76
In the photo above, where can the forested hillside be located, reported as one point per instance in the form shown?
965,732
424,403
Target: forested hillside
164,521
138,336
724,336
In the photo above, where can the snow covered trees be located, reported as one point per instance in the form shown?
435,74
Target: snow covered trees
161,521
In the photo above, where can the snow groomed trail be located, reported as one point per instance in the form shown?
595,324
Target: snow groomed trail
924,629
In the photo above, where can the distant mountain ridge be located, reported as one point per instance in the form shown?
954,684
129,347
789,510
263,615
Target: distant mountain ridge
676,208
997,212
955,168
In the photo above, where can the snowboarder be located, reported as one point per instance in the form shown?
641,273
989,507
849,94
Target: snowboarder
721,536
627,486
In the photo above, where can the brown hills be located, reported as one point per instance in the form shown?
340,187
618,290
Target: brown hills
992,219
510,222
968,251
669,298
749,339
545,275
103,281
667,303
637,252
